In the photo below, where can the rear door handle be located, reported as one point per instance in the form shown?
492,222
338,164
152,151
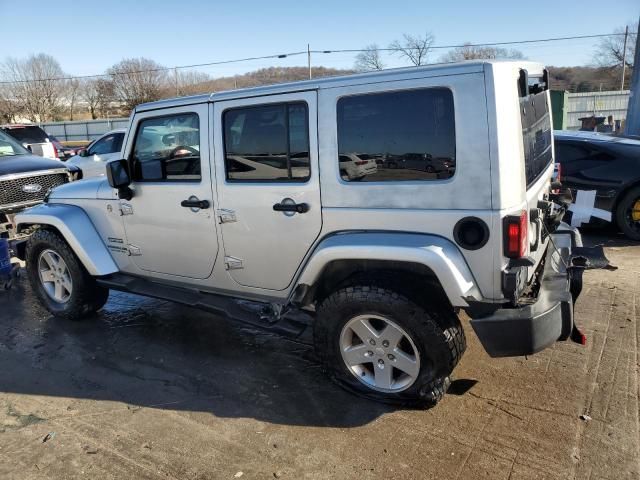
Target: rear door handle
291,207
193,202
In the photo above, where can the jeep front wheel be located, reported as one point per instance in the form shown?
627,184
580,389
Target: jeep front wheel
62,284
381,345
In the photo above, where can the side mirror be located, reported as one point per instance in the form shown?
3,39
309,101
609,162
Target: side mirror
83,153
118,176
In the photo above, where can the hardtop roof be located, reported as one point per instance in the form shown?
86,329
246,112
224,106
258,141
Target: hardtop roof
438,69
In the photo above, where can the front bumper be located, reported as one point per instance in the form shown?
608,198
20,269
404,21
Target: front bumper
529,329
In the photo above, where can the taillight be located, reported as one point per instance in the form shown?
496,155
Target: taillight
361,162
55,150
516,235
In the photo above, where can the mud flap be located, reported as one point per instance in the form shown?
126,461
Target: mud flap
584,258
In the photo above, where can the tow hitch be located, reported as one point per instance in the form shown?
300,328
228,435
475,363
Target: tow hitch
584,258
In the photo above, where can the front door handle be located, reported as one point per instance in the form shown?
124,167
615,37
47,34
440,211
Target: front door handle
193,202
291,207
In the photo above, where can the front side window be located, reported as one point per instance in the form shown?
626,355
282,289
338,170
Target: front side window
267,143
109,144
167,149
397,136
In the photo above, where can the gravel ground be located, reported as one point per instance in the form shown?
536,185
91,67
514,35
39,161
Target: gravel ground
150,389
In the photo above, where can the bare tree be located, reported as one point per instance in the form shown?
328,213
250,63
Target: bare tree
137,80
610,50
35,85
9,108
189,82
72,93
369,59
413,47
471,52
98,93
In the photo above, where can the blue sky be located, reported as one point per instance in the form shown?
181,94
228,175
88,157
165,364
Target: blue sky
89,36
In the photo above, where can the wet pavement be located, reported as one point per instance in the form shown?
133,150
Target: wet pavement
151,389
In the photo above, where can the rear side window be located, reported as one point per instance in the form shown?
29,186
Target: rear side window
167,149
31,134
267,143
397,136
536,135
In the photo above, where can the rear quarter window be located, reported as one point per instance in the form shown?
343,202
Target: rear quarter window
397,136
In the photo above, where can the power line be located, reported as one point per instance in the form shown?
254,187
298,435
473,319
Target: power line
308,52
160,69
491,44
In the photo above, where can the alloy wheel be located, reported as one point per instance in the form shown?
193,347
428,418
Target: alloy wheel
379,353
55,276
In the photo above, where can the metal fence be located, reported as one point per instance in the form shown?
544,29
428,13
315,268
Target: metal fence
600,104
83,129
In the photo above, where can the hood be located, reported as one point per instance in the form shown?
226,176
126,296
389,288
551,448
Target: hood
82,189
27,163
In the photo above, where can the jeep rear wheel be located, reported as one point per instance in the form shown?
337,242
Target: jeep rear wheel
60,281
379,344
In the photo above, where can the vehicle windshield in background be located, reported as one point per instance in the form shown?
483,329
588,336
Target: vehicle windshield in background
28,134
536,135
9,147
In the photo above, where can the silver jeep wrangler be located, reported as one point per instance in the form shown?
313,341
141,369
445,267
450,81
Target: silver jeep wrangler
383,203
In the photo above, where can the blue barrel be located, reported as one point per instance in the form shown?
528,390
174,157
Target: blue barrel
5,259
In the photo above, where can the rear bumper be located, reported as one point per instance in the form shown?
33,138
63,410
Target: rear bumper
529,329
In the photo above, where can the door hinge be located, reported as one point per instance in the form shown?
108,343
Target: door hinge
226,216
126,209
233,263
134,251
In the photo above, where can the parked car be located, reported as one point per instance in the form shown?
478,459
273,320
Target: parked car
92,159
355,166
422,162
64,152
25,180
603,173
383,266
33,138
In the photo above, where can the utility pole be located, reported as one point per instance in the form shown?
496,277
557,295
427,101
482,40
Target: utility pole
309,60
175,72
632,124
624,56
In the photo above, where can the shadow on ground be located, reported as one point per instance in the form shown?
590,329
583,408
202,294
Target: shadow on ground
151,353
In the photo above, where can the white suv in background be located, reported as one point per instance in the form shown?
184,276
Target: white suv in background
92,160
33,138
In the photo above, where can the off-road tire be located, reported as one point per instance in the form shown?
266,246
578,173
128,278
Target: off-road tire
436,332
622,212
87,297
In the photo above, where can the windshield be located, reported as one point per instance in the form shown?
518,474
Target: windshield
9,147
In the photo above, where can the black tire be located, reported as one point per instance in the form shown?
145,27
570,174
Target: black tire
86,297
436,333
623,213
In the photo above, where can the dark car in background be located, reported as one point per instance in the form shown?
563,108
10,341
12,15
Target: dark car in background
25,179
603,173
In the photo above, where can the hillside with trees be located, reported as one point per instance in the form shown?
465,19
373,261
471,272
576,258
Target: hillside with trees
37,88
